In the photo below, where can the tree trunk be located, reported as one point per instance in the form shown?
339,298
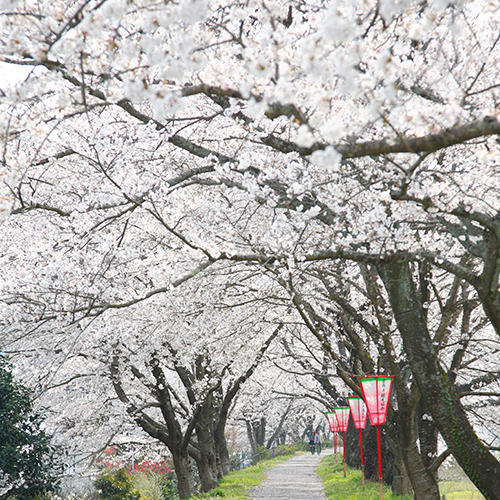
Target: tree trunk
170,434
401,484
428,437
423,482
207,463
425,486
438,393
223,463
251,440
256,431
221,411
279,428
186,484
259,429
408,472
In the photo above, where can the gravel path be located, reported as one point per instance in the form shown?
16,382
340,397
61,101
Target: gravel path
295,479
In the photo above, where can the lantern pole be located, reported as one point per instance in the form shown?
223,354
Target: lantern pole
379,463
376,391
362,463
358,410
343,446
335,446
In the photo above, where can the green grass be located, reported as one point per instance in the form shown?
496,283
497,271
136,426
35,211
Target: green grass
459,490
235,485
338,487
351,487
455,485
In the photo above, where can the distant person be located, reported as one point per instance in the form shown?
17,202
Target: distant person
312,443
318,442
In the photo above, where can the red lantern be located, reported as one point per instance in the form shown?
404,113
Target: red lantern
358,410
332,421
334,427
342,415
376,392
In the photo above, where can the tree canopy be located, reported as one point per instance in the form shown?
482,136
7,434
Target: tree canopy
193,187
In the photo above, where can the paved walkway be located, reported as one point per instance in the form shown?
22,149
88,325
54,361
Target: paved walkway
295,479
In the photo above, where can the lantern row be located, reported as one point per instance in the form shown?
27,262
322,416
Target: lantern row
376,391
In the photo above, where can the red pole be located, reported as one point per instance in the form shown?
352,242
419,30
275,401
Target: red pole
379,463
362,463
343,444
335,446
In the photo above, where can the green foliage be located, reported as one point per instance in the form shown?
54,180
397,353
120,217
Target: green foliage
283,450
27,462
338,487
116,485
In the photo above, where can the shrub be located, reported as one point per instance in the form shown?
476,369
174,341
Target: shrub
155,480
27,460
116,485
284,449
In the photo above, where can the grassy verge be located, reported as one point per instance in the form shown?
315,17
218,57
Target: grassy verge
455,485
235,485
338,487
459,490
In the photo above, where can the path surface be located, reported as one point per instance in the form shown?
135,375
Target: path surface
295,479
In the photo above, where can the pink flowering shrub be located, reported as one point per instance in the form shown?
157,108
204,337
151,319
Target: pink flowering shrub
164,468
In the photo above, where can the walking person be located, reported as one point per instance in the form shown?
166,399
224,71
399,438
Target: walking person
318,442
312,442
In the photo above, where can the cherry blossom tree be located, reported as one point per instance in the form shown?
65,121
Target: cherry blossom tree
274,407
152,142
354,324
173,368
